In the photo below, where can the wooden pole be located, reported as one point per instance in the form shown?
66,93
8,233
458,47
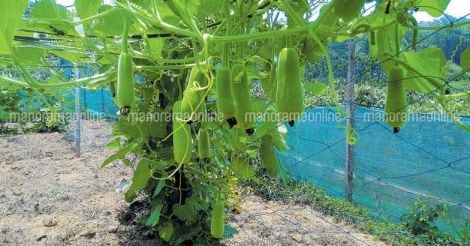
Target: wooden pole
77,115
349,163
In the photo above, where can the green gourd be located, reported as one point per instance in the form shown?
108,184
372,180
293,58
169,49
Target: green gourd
203,141
241,91
268,156
347,9
182,142
289,96
226,104
396,102
125,78
217,219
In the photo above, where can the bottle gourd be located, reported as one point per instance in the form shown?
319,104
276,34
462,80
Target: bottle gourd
241,90
203,141
225,99
217,219
396,102
289,96
182,142
125,77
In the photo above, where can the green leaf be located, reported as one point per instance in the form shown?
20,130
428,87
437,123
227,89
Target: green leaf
185,212
56,16
210,7
12,11
121,154
465,59
242,168
67,55
430,63
155,216
140,178
155,46
114,144
30,55
111,24
435,8
316,89
161,184
87,8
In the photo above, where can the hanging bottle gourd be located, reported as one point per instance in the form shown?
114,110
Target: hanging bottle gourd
217,219
203,144
241,89
125,77
226,104
396,102
182,142
289,96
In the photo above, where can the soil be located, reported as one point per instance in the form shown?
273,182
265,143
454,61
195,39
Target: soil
48,196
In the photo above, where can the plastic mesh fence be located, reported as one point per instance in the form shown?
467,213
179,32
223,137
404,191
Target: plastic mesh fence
428,159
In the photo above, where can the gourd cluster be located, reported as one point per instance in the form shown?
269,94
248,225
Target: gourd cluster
231,88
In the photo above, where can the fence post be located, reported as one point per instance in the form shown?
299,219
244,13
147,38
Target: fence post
77,114
349,163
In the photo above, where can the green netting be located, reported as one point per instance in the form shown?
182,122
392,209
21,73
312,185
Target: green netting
428,159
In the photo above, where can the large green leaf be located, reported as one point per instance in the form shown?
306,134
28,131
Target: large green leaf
433,7
242,168
186,212
113,23
154,47
429,63
87,8
30,55
48,9
56,16
12,11
465,59
140,178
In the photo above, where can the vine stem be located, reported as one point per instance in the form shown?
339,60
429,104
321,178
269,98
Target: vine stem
170,67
